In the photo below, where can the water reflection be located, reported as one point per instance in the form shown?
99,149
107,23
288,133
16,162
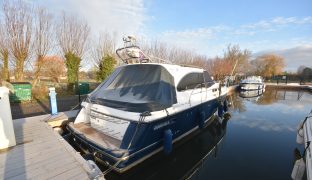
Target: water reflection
274,95
252,95
276,109
186,158
260,137
236,102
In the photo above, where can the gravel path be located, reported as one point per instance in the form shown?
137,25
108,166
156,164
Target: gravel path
38,107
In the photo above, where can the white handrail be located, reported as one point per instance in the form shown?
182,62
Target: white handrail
200,92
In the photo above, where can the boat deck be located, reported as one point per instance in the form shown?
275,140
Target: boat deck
41,153
95,136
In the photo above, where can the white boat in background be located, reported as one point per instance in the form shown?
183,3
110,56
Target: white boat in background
252,83
144,107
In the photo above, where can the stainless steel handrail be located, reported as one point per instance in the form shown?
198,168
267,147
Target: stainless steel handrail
194,90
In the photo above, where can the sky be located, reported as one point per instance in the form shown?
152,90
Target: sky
283,27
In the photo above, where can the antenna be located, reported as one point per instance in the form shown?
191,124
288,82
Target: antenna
227,83
129,40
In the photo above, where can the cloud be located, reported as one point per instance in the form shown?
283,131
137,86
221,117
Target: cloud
277,22
282,20
245,29
207,33
273,33
244,32
264,124
294,57
120,16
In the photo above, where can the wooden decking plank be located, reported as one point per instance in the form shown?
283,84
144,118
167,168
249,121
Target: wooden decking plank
33,134
19,158
42,167
57,171
22,150
49,170
81,176
35,140
19,177
31,162
27,131
18,168
68,174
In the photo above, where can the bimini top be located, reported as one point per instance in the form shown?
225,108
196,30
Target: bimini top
137,88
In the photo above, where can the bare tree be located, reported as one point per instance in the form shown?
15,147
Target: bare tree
43,38
103,55
105,47
4,53
52,67
235,56
162,51
72,38
73,35
219,68
156,50
268,65
300,69
18,23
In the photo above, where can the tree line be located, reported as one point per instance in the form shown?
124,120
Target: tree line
28,34
234,61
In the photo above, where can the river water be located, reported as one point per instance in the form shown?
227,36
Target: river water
257,142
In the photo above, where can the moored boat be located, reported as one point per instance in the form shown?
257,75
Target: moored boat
303,165
144,107
252,83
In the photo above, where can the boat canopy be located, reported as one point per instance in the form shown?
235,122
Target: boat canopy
137,88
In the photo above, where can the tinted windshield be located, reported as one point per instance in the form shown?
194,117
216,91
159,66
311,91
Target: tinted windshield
137,88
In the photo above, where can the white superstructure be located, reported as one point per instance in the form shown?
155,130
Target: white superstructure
252,83
114,125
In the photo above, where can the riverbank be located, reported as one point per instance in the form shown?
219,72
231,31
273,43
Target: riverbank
41,107
289,86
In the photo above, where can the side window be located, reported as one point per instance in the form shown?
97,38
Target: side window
190,81
208,81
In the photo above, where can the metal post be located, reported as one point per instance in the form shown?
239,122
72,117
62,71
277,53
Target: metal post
79,98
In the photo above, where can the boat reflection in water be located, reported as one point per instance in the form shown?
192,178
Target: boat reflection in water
252,95
186,159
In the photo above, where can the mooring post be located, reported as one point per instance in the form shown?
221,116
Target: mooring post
53,103
7,135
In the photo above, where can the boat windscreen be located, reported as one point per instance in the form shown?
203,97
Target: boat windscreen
137,88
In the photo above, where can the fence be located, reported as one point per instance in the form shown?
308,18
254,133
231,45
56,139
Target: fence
290,78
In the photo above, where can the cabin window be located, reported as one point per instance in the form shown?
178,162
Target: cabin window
195,80
208,81
190,81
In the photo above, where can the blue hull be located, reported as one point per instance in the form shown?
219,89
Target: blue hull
149,138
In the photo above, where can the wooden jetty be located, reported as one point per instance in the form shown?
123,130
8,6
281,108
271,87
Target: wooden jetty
41,153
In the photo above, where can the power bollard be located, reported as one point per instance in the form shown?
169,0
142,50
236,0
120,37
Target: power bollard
53,103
